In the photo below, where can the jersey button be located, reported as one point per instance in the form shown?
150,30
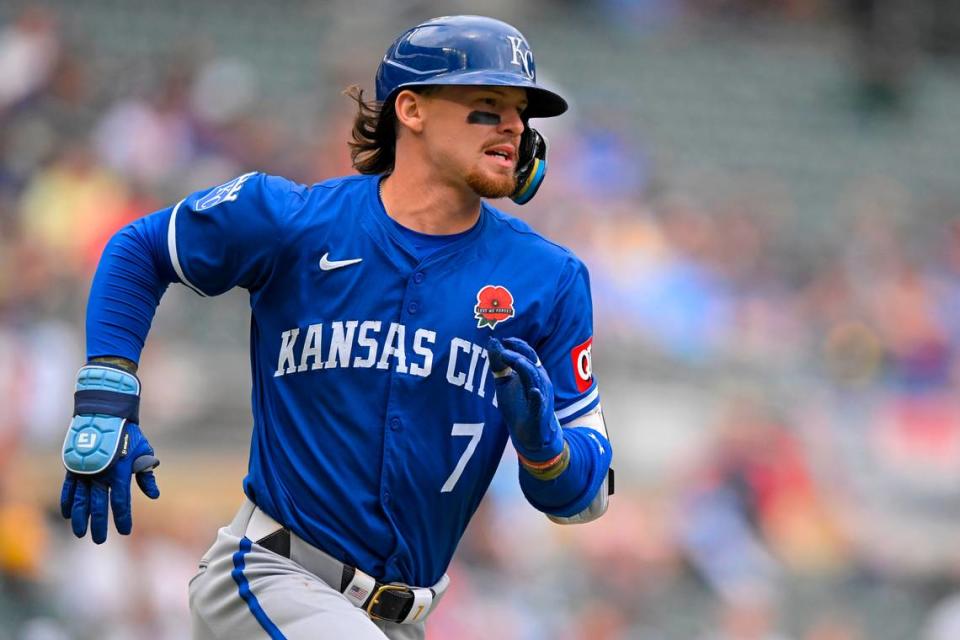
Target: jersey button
386,497
395,424
418,277
413,307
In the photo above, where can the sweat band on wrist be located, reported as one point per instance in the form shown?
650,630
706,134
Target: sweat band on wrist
549,469
116,361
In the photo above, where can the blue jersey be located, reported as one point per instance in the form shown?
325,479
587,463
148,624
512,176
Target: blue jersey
376,431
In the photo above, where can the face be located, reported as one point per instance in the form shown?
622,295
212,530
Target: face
465,142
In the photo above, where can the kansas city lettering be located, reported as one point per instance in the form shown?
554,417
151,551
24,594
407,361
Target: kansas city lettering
374,344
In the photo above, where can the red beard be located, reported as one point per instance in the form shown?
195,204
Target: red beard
487,186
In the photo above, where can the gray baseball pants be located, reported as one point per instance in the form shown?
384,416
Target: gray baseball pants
245,592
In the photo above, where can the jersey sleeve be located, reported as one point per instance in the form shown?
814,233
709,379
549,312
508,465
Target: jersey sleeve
230,235
566,349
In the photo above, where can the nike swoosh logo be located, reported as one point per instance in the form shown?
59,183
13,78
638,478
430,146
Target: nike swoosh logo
330,265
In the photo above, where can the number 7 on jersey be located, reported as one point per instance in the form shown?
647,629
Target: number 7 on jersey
474,430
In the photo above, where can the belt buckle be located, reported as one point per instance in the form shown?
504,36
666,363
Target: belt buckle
376,598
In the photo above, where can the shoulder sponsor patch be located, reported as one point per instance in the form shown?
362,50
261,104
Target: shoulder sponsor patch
581,357
494,305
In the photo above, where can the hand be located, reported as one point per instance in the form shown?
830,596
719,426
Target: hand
525,397
103,448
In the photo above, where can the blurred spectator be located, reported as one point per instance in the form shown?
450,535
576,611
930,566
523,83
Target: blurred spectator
28,53
72,208
754,510
146,141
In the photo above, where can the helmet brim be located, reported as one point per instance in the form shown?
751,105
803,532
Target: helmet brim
541,102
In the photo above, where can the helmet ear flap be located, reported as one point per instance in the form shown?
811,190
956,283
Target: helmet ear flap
531,165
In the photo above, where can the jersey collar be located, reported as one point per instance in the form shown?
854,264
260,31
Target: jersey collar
382,228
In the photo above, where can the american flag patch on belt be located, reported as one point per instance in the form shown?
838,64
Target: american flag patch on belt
357,593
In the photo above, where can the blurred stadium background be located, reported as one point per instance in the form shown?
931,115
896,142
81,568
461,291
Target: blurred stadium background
766,192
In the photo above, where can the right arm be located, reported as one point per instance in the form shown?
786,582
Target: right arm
134,272
211,241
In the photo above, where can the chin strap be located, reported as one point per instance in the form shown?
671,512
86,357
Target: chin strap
532,165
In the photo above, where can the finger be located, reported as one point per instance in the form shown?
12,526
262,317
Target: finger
495,353
501,358
80,512
66,495
527,370
524,349
535,401
146,462
148,484
120,503
98,512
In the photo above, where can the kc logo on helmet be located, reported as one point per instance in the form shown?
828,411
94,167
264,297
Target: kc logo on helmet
494,305
582,358
522,56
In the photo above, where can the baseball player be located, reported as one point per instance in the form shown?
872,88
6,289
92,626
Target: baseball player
402,330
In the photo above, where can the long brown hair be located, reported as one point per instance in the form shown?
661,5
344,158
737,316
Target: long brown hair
373,141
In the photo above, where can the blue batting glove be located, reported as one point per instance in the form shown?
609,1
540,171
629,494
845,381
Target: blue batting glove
103,448
525,397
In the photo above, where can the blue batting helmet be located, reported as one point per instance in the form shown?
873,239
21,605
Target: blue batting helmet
465,50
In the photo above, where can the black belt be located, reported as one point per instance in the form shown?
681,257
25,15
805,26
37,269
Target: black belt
390,602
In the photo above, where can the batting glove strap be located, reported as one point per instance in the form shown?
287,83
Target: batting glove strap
106,399
121,405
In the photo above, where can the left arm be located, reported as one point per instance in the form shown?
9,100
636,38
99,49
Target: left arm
564,471
566,349
598,505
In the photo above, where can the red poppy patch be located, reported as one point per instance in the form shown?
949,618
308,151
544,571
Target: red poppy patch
494,305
